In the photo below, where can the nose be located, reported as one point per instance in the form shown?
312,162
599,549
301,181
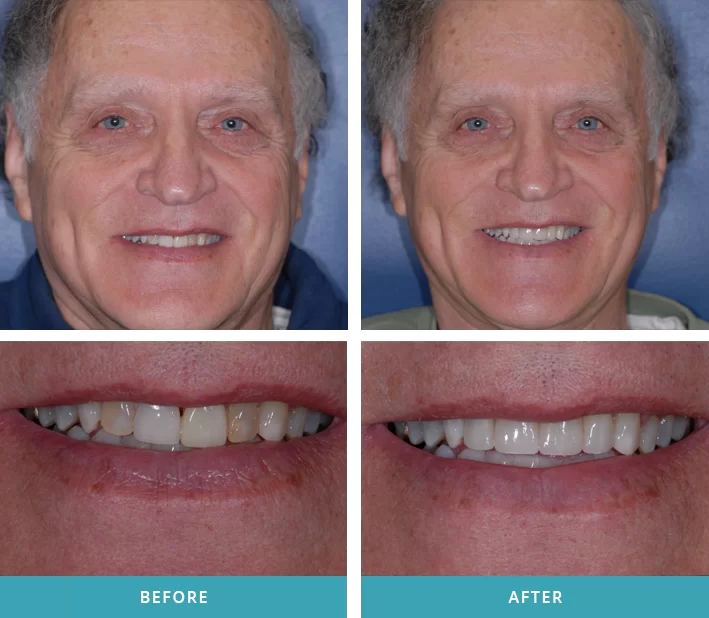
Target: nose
536,172
178,175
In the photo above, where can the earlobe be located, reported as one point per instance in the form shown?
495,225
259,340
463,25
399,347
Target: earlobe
303,173
660,170
391,170
16,168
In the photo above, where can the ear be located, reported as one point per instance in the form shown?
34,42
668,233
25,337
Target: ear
16,166
391,169
303,173
660,169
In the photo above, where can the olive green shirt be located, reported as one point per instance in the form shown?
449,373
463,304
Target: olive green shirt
645,312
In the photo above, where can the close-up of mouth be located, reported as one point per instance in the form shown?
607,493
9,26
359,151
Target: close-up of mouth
482,451
228,437
201,239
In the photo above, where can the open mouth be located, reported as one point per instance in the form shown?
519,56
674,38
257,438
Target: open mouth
546,445
94,480
171,428
533,236
177,242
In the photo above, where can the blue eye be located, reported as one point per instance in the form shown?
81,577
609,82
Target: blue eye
232,124
476,124
113,123
589,123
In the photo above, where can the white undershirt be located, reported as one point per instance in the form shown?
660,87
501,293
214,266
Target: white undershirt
653,322
281,318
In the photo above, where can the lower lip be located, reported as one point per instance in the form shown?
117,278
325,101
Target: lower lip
597,486
558,248
173,254
235,471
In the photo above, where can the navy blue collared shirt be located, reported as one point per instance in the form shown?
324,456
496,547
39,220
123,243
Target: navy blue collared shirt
26,302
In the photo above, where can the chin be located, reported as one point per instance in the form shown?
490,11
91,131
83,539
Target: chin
198,315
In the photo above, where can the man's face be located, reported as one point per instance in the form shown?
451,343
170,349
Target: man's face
170,119
526,115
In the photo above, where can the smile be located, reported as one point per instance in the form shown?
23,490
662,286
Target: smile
546,445
533,236
178,242
171,428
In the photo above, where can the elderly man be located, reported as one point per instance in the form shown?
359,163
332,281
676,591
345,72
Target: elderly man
527,144
162,159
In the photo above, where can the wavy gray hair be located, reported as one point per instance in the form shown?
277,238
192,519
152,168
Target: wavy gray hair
29,38
394,37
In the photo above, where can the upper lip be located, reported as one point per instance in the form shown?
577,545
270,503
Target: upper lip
184,375
531,226
550,412
161,231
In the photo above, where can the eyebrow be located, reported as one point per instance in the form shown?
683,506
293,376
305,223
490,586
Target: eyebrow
101,90
601,94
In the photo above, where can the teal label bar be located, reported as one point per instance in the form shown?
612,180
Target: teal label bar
131,597
579,597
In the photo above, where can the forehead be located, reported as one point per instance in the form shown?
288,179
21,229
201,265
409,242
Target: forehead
530,45
178,41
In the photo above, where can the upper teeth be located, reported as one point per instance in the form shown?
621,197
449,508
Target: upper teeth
532,236
176,241
142,425
520,443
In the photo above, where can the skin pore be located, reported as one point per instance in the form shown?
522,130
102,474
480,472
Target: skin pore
632,515
499,137
80,508
175,118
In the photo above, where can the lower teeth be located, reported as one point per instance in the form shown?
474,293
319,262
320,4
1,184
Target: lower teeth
519,461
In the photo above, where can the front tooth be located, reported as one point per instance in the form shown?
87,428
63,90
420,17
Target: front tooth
89,416
516,437
201,239
664,432
564,438
627,433
597,433
415,432
648,434
117,417
551,231
192,240
153,239
157,424
559,232
166,241
180,241
242,422
67,417
506,232
540,234
479,433
680,424
273,420
432,432
47,416
312,423
454,429
526,235
514,233
296,423
106,438
77,433
445,451
203,427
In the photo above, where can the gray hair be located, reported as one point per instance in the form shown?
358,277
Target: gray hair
29,39
395,34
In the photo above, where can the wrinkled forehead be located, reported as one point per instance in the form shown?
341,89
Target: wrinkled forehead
527,45
171,41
